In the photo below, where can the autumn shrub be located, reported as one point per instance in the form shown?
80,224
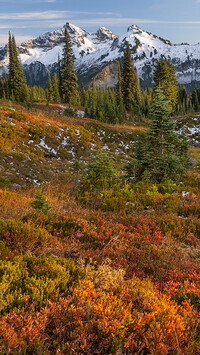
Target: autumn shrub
139,246
187,291
130,198
18,116
186,230
4,251
4,182
23,238
167,186
37,219
190,209
138,319
192,179
31,281
7,130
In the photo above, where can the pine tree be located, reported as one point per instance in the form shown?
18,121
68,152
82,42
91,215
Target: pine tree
130,83
49,89
165,154
40,204
100,173
165,77
4,88
68,74
195,100
119,96
16,81
55,86
182,100
37,94
59,77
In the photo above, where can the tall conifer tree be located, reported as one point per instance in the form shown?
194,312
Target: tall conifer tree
130,82
55,86
16,81
50,89
165,77
119,96
68,74
165,154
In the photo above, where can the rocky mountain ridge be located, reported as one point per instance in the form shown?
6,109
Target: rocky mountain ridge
96,55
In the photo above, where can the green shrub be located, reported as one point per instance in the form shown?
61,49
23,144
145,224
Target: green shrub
40,204
70,112
7,130
18,116
35,280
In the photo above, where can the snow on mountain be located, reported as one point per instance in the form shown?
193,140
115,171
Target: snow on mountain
95,51
48,47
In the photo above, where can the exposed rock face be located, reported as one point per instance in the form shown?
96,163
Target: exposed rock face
36,73
96,55
107,77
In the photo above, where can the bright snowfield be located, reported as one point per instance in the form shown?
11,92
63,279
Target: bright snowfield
95,49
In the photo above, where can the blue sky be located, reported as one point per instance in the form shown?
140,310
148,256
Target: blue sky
176,20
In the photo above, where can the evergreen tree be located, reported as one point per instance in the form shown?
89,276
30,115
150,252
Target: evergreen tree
100,173
16,80
37,94
4,88
130,83
119,98
182,100
165,77
165,153
50,89
68,74
146,101
40,204
195,100
55,87
53,94
59,77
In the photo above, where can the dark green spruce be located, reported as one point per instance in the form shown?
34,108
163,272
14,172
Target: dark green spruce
164,154
165,77
130,83
16,80
68,74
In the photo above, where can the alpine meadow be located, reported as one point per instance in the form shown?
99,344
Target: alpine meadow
99,190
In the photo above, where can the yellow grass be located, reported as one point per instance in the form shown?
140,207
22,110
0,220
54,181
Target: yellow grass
14,204
195,152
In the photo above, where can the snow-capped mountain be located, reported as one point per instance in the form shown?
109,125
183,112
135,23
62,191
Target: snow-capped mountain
96,55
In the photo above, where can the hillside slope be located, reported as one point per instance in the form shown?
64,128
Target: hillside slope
110,270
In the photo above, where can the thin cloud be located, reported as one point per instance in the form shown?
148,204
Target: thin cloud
47,15
118,22
19,39
12,25
43,15
25,1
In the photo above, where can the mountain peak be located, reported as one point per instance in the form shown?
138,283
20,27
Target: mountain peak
134,28
72,29
104,33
